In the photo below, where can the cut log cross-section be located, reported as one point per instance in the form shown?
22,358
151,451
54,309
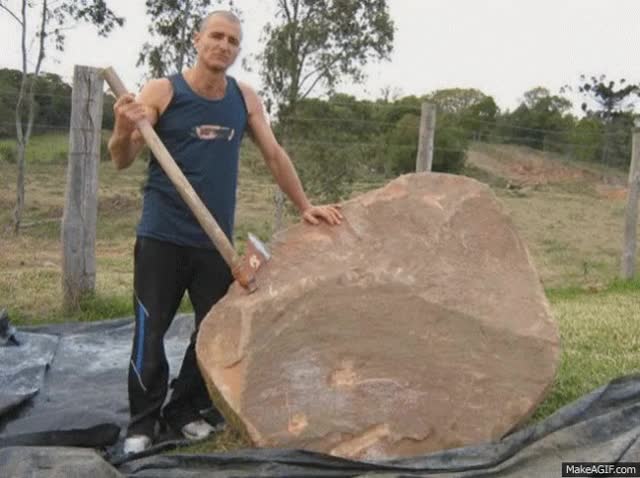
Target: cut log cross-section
417,325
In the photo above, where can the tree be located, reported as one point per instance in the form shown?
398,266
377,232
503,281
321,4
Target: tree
401,144
173,24
541,121
475,111
53,19
311,47
338,138
610,98
52,103
614,102
316,43
9,87
586,139
456,100
480,118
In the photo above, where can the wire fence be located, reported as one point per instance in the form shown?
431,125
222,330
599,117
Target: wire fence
345,149
357,138
383,137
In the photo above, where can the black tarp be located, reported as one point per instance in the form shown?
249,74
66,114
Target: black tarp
65,385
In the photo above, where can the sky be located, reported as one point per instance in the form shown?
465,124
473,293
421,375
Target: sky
501,47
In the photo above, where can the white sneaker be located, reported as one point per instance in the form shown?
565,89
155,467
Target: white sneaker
136,444
199,430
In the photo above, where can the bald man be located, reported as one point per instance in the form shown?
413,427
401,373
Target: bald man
201,116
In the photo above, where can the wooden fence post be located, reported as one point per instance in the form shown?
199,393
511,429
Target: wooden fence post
81,201
424,159
627,269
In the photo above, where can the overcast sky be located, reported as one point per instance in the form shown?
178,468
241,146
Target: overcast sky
502,47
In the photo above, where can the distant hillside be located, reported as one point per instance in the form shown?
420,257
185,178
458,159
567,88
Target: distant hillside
522,167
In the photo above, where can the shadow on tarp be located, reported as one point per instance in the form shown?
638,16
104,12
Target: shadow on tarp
65,385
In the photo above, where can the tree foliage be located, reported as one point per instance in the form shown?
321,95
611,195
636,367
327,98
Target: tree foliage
52,103
610,97
314,44
456,100
475,112
310,47
58,16
612,103
342,138
401,144
173,23
541,121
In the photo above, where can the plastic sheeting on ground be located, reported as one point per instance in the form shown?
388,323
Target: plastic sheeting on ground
65,385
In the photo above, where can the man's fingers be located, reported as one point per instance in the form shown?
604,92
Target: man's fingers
332,217
136,115
126,105
335,215
309,217
329,214
123,100
130,109
335,209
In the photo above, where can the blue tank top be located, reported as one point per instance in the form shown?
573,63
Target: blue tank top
203,136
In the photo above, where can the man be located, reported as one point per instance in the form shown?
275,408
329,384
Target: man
201,116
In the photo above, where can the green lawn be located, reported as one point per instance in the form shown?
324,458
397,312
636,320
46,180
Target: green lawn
600,340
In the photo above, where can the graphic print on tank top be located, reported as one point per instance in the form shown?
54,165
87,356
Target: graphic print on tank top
211,132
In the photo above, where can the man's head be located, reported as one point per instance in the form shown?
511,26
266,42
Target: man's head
217,40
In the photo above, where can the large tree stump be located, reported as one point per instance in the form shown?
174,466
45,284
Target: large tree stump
419,324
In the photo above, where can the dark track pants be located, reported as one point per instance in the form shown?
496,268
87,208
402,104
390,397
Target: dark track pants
162,273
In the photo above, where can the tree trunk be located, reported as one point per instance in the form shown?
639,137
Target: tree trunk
23,136
19,208
20,142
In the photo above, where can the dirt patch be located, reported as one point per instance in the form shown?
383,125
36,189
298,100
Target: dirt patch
117,204
615,193
523,167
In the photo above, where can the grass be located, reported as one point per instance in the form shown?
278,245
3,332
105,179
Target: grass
44,148
574,236
600,340
573,232
51,147
228,440
30,283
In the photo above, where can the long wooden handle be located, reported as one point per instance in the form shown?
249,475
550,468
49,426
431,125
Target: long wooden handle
178,179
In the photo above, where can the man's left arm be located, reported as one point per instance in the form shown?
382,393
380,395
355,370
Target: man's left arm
280,164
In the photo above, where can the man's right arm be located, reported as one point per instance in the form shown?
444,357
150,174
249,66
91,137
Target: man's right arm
126,141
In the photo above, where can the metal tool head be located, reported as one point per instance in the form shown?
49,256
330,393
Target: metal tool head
256,254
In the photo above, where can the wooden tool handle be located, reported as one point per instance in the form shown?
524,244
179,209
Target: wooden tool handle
178,179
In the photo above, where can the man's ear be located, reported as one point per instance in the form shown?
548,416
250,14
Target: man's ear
195,39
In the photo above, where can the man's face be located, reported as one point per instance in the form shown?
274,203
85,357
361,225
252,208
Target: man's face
218,44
